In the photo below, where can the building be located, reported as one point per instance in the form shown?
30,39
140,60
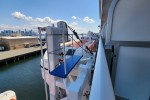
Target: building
18,42
23,33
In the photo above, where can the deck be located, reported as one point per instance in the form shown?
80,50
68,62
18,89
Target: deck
19,52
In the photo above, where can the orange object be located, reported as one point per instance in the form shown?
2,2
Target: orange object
12,99
78,44
92,46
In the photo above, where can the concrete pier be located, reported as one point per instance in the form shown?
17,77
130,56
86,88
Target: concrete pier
15,55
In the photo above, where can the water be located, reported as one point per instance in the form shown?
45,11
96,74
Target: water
24,78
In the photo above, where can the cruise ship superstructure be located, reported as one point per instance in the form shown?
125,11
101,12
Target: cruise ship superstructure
118,70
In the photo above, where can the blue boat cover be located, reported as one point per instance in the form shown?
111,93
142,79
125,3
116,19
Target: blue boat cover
70,64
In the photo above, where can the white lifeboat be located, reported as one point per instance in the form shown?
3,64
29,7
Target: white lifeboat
8,95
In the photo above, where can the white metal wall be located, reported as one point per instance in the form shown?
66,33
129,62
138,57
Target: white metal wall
133,73
101,85
129,20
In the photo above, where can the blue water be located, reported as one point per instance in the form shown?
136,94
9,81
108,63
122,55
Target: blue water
23,77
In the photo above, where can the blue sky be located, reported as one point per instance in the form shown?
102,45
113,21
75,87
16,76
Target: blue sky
82,15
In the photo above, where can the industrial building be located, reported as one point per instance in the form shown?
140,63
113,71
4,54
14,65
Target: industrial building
18,42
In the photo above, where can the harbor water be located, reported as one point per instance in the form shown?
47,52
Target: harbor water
23,77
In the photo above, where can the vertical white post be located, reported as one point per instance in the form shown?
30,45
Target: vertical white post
64,56
72,44
52,41
42,55
82,45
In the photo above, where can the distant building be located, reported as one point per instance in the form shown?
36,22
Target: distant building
23,33
7,32
19,42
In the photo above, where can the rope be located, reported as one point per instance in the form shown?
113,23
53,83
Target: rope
52,52
75,33
81,46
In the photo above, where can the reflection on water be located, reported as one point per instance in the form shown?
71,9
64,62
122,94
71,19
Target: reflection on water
24,78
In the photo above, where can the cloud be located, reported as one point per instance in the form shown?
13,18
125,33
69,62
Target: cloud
20,16
33,23
85,19
74,17
74,24
43,21
88,20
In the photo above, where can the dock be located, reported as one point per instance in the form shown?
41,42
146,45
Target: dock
16,55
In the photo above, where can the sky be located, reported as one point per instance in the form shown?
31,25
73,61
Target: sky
81,15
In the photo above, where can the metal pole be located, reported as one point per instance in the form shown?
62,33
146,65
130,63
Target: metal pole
82,45
64,57
72,44
42,55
